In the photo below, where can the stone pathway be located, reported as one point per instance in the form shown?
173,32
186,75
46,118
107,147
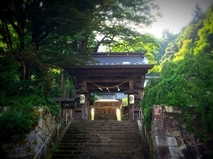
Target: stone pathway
101,139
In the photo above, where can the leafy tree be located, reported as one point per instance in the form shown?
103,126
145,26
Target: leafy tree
141,43
204,42
43,33
167,38
37,37
119,22
175,43
186,77
43,24
167,35
184,50
197,13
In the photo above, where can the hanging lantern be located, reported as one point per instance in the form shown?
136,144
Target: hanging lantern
131,99
82,99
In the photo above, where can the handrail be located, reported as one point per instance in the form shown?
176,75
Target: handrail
56,125
44,143
143,136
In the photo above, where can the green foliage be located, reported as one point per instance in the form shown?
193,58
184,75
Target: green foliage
93,98
205,34
184,50
197,14
168,36
36,41
186,77
140,43
184,84
21,116
54,109
15,123
40,36
124,102
22,97
9,75
116,25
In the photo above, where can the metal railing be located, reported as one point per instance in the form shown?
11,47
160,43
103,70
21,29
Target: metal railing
44,146
147,137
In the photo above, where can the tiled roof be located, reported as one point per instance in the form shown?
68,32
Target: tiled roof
118,59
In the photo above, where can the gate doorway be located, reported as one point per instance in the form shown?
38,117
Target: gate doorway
110,73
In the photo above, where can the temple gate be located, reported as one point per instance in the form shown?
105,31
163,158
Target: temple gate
113,73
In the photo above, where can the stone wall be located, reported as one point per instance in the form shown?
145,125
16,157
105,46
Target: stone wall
28,147
171,139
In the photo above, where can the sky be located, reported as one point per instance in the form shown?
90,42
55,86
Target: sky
176,15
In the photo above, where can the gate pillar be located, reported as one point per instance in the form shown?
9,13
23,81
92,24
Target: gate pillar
131,100
84,101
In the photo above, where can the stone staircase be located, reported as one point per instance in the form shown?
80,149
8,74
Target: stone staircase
100,139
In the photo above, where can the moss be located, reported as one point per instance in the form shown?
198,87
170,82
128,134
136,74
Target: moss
22,142
28,150
37,112
34,142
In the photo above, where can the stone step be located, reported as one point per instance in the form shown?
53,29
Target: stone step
103,125
101,145
106,135
103,122
98,140
98,152
96,156
91,129
85,150
101,142
115,130
102,133
105,116
102,128
82,149
101,139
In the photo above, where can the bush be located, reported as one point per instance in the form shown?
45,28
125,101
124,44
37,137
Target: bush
13,123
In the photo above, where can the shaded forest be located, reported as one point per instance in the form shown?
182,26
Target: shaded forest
38,38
